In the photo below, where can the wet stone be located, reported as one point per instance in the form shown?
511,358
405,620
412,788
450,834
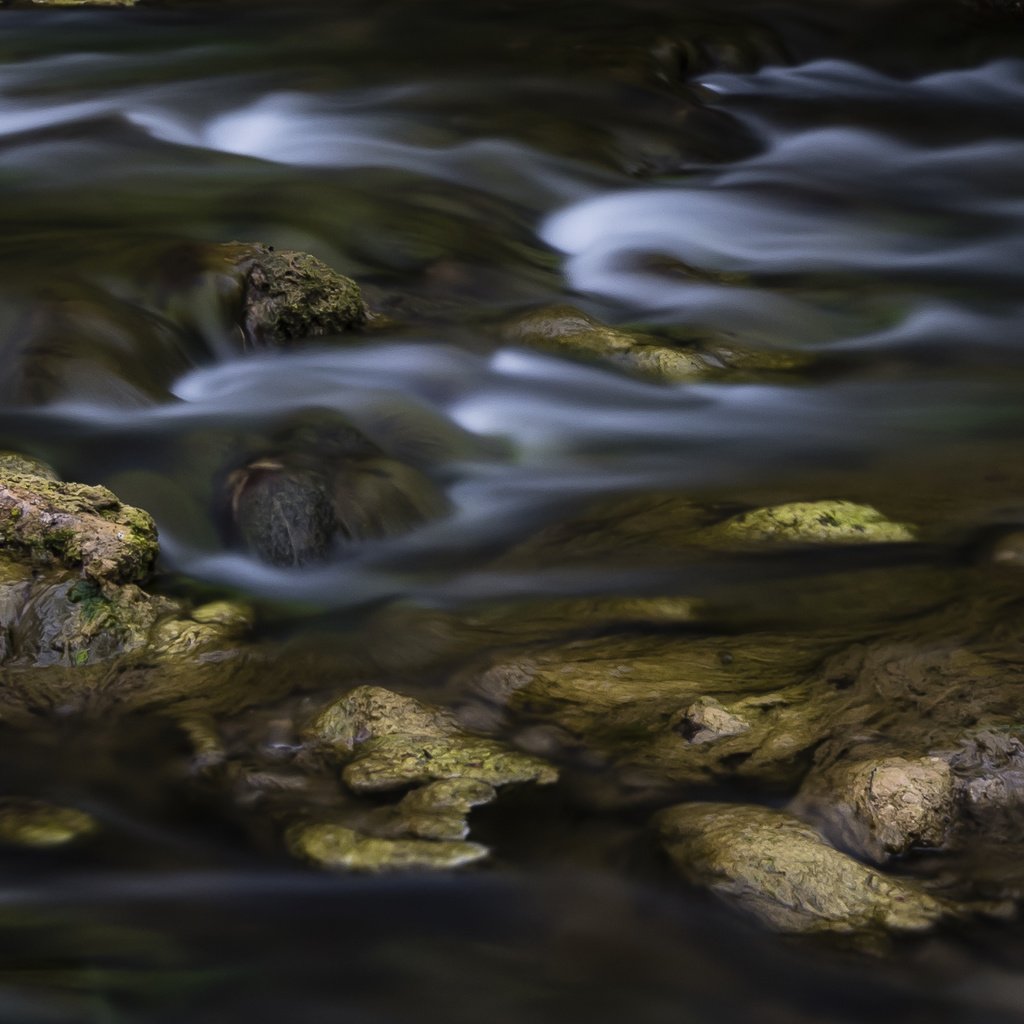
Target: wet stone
76,526
817,522
340,848
781,871
369,712
34,823
882,807
290,296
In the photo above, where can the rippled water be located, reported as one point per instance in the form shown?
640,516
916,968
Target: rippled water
836,185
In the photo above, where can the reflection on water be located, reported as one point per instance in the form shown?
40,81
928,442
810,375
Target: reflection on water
819,187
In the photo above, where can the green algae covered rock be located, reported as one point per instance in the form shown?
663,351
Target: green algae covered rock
392,762
289,296
567,331
694,709
76,526
370,712
35,823
777,868
439,810
334,846
814,522
394,741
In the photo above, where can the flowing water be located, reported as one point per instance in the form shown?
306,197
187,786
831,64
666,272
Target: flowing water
834,187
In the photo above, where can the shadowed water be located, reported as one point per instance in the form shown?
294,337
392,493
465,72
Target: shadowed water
810,183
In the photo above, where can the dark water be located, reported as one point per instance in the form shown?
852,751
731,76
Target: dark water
847,178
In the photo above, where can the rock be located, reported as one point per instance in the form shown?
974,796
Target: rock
395,741
694,709
322,487
289,296
439,810
16,464
706,720
77,526
881,807
392,762
334,846
370,712
778,869
38,824
818,522
567,331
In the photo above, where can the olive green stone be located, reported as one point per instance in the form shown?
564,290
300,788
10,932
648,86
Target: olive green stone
333,846
818,522
77,526
778,869
34,823
368,712
390,762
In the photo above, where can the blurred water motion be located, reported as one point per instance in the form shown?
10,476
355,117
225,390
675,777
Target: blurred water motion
833,188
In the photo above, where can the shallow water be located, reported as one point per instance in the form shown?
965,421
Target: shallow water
844,179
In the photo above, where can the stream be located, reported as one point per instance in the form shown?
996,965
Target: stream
832,189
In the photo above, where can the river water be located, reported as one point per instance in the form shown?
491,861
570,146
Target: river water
846,180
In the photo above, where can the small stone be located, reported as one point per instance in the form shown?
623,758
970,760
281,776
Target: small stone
780,870
878,808
290,296
706,720
391,762
368,712
817,522
333,846
34,823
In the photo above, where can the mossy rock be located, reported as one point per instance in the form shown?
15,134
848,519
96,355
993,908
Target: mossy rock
370,712
392,741
567,331
778,869
288,296
340,848
809,522
77,526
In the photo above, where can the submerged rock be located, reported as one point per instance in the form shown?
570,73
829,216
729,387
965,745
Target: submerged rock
568,331
370,712
77,526
880,807
818,522
692,709
334,846
394,741
439,810
35,823
322,487
777,868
